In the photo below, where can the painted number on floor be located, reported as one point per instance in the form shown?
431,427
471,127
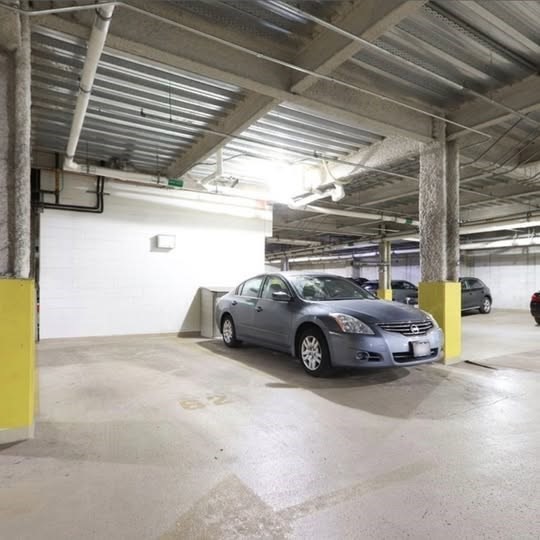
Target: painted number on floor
192,404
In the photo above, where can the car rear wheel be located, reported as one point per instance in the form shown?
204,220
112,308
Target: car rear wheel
486,305
313,353
537,319
228,331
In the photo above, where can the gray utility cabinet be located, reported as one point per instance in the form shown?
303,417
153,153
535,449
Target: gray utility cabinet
209,299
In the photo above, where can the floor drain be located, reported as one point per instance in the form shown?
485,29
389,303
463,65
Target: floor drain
480,365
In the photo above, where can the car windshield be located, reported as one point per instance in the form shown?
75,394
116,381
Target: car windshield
322,288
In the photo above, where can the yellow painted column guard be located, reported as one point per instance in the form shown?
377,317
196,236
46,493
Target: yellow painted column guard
17,359
443,300
384,294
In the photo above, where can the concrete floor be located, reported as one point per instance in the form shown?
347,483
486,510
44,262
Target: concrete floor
160,437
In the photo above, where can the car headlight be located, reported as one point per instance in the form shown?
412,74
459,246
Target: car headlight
431,318
351,325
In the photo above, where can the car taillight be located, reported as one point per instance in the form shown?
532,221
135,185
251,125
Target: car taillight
536,297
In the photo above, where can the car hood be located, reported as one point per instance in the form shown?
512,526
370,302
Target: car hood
375,310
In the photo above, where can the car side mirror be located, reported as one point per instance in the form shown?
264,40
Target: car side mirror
281,296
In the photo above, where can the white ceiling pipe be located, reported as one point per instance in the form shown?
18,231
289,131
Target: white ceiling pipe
247,206
117,174
93,54
480,228
499,226
300,204
292,242
359,215
494,244
152,180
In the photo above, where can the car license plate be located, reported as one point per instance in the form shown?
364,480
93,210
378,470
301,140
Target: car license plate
421,348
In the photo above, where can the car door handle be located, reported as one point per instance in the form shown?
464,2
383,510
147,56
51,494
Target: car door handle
234,302
258,308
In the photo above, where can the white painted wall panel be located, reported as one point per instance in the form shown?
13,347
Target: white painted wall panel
101,276
512,278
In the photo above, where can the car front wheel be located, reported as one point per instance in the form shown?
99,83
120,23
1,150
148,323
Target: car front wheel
486,305
228,331
313,352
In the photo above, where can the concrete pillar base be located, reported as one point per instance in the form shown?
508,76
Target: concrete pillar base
443,301
384,294
17,359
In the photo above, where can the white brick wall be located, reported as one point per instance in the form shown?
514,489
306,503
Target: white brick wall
100,276
512,278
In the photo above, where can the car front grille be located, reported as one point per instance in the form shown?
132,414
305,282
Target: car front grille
411,328
402,358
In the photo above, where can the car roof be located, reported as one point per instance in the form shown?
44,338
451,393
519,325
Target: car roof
293,273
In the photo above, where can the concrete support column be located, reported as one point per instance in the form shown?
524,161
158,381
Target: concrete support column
439,292
452,211
15,125
17,292
432,206
385,271
22,134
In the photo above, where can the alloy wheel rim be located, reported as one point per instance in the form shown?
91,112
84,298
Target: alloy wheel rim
487,304
227,331
311,353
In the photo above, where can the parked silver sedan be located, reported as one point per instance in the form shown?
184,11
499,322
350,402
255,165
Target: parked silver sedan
327,321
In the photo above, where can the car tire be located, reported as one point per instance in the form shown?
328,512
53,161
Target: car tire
537,319
486,305
313,352
228,332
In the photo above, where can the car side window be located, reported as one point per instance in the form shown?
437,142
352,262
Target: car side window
407,285
465,285
239,289
252,286
274,284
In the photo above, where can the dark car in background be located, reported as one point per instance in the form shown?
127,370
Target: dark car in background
402,291
327,321
535,307
475,294
359,280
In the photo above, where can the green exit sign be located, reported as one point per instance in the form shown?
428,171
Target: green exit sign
175,182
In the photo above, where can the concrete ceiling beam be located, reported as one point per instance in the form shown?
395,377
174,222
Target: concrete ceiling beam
186,51
328,50
368,19
382,155
522,96
246,113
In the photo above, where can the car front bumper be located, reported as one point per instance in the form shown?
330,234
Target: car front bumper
389,349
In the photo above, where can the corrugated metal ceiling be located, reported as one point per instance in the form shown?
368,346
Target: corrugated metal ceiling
140,114
480,45
146,115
